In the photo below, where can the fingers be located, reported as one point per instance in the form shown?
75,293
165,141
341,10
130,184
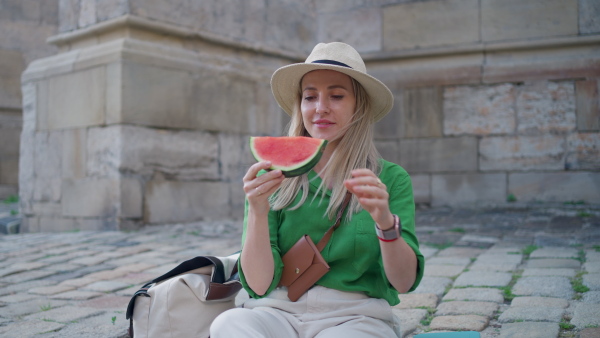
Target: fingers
265,184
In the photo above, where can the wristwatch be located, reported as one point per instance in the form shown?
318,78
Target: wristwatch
392,234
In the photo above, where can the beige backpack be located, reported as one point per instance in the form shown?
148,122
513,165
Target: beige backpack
184,301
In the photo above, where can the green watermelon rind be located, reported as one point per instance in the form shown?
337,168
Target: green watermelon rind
300,168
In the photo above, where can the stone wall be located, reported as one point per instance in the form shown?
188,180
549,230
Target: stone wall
25,25
144,114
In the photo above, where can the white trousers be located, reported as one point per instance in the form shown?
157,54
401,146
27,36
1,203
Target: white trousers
321,312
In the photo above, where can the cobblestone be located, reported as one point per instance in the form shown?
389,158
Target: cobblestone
80,281
481,278
475,294
531,314
544,286
586,315
459,323
529,330
592,281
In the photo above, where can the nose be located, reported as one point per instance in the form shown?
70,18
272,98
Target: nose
322,105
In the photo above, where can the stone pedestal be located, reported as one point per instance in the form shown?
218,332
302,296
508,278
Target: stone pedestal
135,123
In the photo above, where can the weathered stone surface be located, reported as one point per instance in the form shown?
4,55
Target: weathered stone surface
475,294
460,252
555,252
410,319
416,300
47,166
111,9
588,108
442,270
11,67
592,266
478,278
589,17
74,153
459,323
571,186
546,107
540,64
432,71
540,302
456,189
441,23
435,285
422,112
544,152
78,202
76,295
484,110
106,286
591,297
341,26
592,281
72,100
529,330
143,151
508,20
549,272
591,332
437,155
532,314
421,188
30,328
553,263
586,315
176,201
64,314
444,260
485,309
583,151
543,286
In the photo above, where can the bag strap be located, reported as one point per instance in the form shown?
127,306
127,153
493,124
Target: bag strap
323,242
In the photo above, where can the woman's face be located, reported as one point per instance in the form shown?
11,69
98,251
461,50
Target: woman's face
327,103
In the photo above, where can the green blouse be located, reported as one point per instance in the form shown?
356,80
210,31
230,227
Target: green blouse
353,253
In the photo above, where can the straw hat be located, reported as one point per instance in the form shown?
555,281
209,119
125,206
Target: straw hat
336,56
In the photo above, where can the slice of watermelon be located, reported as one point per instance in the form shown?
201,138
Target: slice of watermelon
294,156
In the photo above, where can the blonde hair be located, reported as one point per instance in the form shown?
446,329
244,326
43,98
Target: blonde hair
355,150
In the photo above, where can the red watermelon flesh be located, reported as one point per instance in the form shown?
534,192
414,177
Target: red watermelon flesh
294,156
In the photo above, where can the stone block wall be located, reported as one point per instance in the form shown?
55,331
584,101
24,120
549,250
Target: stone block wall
493,98
25,25
143,115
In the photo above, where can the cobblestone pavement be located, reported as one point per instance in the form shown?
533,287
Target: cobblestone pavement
523,271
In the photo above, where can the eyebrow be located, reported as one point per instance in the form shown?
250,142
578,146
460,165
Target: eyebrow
330,87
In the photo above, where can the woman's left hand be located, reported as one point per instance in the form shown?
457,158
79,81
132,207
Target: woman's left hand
372,195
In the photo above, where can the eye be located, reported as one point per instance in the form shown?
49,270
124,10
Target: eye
337,97
309,98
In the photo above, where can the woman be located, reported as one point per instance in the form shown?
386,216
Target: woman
373,255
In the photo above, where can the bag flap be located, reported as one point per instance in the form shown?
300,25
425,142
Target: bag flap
297,260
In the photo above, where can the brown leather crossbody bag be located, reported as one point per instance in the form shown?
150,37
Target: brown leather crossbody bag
303,264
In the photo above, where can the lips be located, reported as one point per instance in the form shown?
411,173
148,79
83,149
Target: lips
323,122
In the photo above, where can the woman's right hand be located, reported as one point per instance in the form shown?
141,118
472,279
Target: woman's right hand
258,189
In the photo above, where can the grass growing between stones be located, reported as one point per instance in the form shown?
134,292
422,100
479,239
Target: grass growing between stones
459,230
577,284
507,290
581,256
11,199
439,246
529,249
46,307
566,325
430,315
